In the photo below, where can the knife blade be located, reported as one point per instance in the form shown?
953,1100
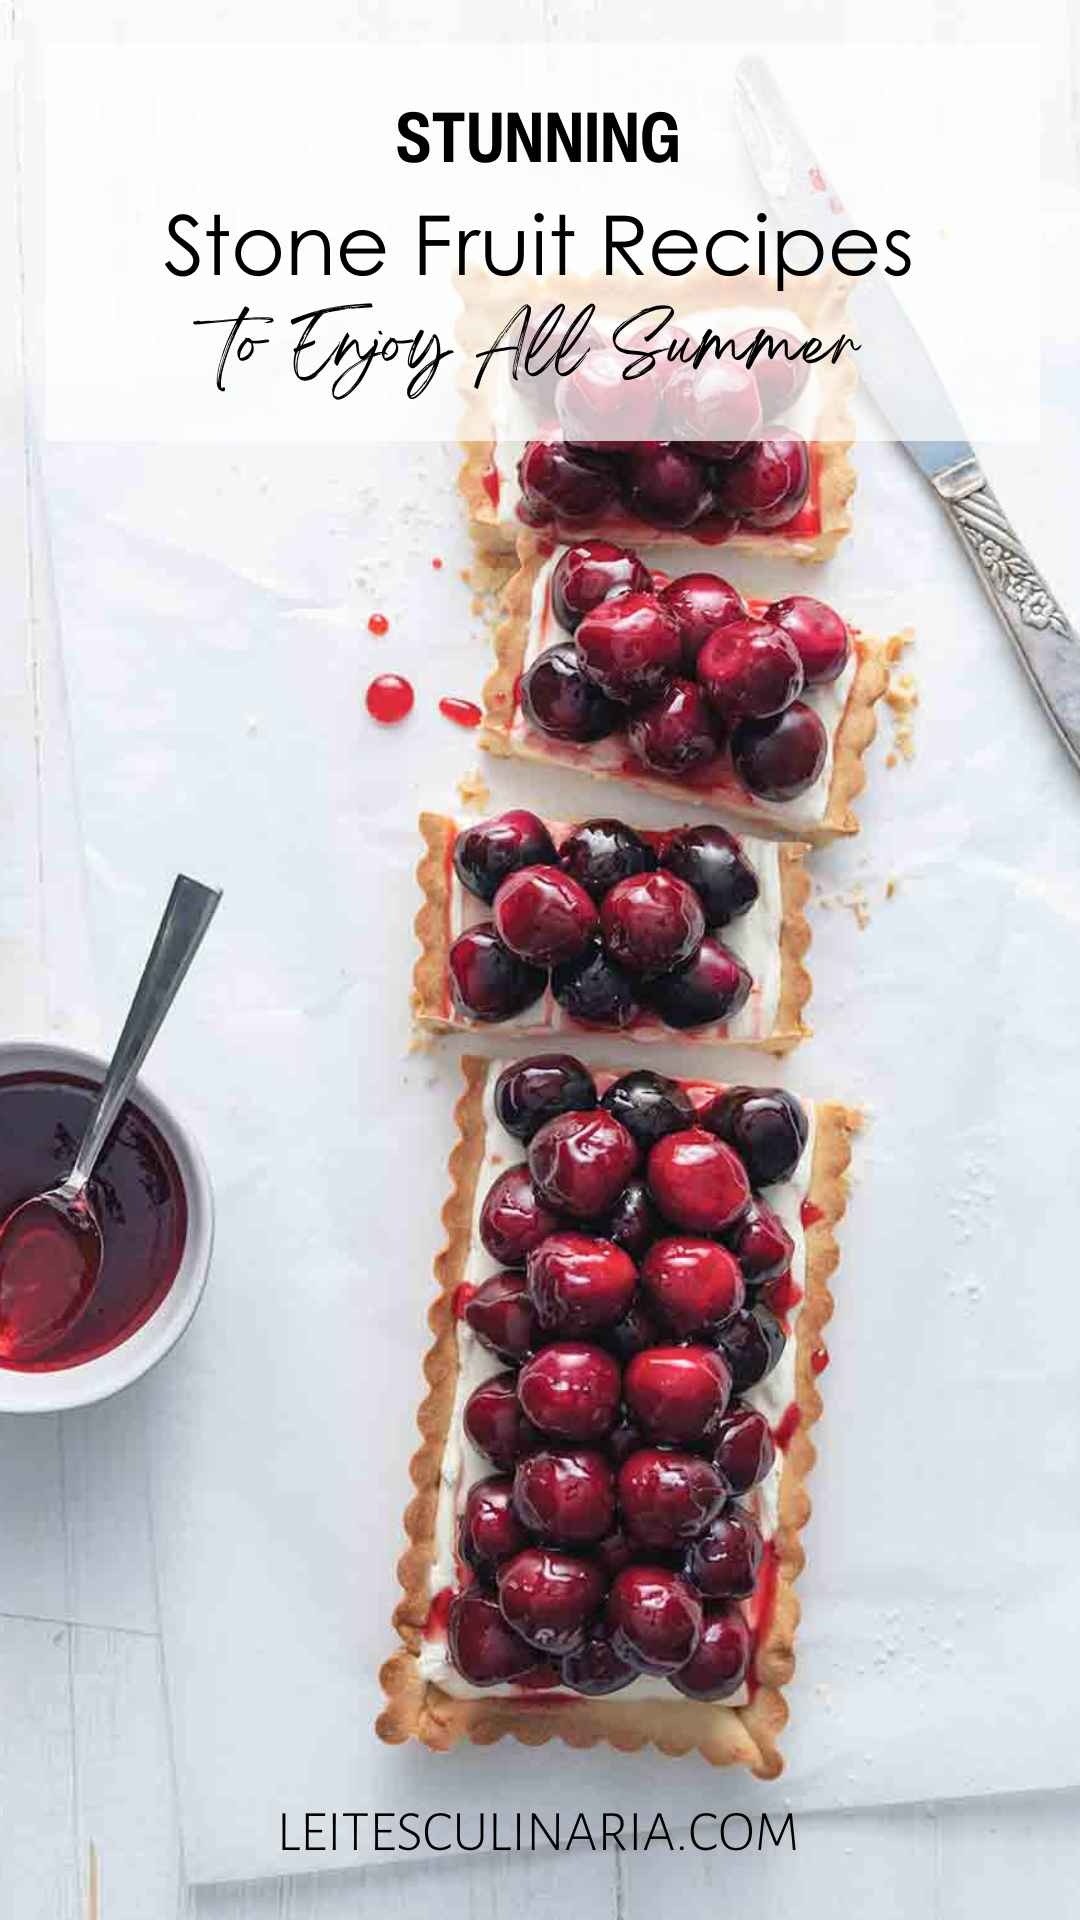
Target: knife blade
897,371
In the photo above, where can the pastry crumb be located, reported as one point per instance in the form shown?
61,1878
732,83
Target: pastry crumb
473,791
421,1040
890,889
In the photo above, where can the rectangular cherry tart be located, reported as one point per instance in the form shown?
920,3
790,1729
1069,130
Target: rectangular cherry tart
544,928
665,677
610,1487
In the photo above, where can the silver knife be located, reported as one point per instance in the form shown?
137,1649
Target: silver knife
898,369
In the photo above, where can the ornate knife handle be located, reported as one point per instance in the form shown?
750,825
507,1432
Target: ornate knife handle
1048,646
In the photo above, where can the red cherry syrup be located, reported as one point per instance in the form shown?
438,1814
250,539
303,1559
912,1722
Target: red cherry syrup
389,699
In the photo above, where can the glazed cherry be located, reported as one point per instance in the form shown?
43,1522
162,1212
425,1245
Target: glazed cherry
535,1089
780,377
767,1126
598,408
487,981
769,483
665,486
547,1596
697,1181
600,852
668,1498
692,1283
494,1421
714,409
651,923
566,1498
743,1448
677,1394
649,1105
543,916
676,731
761,1243
486,853
596,991
780,758
752,1343
639,1328
561,700
655,1618
700,602
581,1162
710,860
749,670
720,1662
490,1528
714,986
633,1222
820,637
594,571
724,1562
483,1649
571,1390
514,1217
577,1283
501,1315
562,484
627,647
595,1668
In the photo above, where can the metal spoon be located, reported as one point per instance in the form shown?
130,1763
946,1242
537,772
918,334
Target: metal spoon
51,1246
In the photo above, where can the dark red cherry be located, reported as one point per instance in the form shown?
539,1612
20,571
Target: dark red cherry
595,991
561,700
676,731
651,922
494,1421
638,1329
543,916
490,1528
724,1563
627,647
752,1343
655,1618
549,344
567,1498
594,571
719,1665
821,638
548,1596
712,861
697,1181
571,1390
515,1217
633,1222
779,376
713,987
501,1315
677,1394
581,1162
761,1243
767,1126
769,483
483,1649
487,981
701,602
486,853
595,1668
648,1105
692,1283
562,483
743,1448
749,670
714,409
599,408
578,1284
780,758
667,1498
600,852
666,486
533,1090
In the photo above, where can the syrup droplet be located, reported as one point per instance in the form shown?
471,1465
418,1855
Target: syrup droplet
464,713
389,699
460,1298
437,564
784,1430
378,625
810,1214
819,1359
491,485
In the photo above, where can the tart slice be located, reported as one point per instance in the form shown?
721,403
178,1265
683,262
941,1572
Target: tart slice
610,1487
672,681
546,927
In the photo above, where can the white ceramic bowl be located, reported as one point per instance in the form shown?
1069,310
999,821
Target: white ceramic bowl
90,1380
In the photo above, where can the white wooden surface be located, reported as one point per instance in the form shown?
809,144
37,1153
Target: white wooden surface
85,1765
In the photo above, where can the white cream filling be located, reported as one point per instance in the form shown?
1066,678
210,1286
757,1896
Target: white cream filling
754,938
463,1465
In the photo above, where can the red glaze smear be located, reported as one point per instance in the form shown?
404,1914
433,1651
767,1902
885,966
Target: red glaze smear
460,1299
389,699
787,1426
464,713
438,1614
491,485
810,1214
762,1608
819,1359
378,625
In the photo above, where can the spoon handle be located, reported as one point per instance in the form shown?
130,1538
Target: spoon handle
190,909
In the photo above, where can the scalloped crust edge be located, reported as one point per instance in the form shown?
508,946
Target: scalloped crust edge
724,1736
